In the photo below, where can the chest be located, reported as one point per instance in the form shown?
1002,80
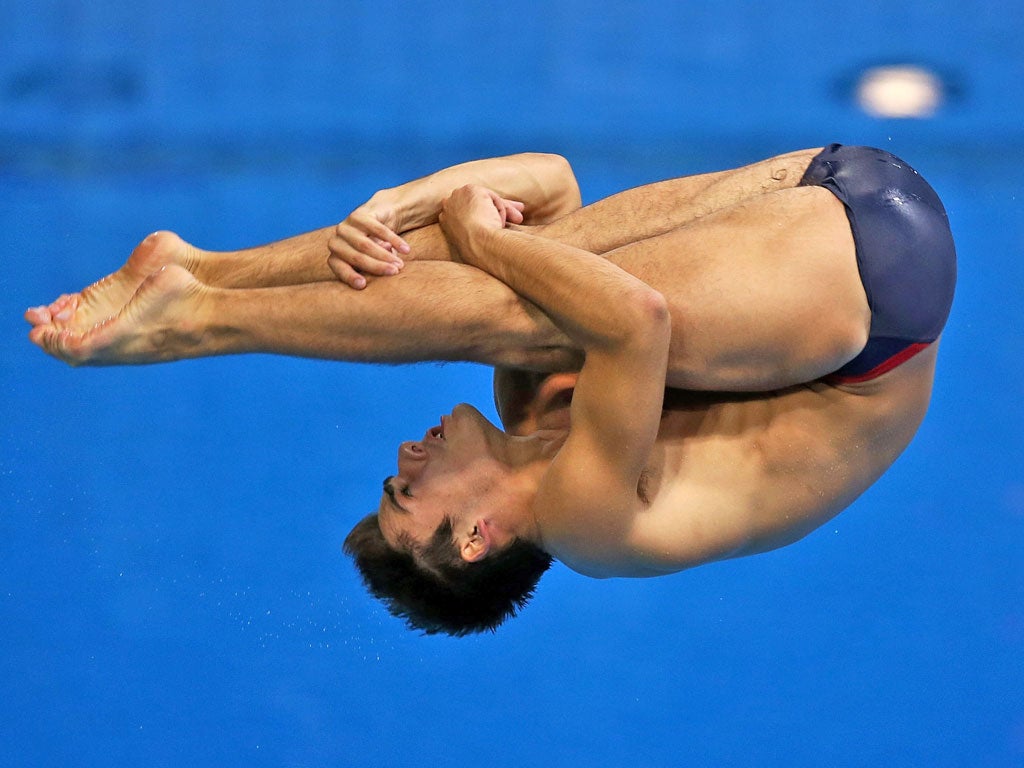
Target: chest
792,454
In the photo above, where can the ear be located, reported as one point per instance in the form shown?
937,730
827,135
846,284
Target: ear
554,385
523,397
477,544
550,408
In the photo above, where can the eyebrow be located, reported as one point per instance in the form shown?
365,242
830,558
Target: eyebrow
389,490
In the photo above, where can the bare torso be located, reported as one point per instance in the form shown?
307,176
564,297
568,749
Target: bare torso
733,475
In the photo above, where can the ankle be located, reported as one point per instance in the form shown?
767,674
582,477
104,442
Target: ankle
208,267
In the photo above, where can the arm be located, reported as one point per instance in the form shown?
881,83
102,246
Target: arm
545,183
623,326
536,187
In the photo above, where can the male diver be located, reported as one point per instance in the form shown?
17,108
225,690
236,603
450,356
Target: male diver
819,279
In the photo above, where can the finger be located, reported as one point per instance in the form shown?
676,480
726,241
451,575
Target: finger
368,258
399,244
373,247
376,229
499,205
514,212
345,273
364,254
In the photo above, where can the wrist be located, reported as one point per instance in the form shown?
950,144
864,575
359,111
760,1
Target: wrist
476,243
392,203
412,205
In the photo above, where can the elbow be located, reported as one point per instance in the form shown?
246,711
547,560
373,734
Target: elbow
569,198
660,321
647,316
655,305
655,312
555,175
559,167
551,163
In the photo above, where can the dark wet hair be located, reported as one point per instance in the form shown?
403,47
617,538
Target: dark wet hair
434,590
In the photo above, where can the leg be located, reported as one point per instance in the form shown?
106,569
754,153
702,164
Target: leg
431,311
635,215
732,276
654,209
623,218
297,260
545,183
618,220
764,294
293,261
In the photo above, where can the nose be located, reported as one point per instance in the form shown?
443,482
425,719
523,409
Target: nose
411,456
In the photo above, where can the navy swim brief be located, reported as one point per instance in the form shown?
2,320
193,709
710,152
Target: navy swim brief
905,253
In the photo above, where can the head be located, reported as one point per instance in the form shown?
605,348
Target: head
452,546
435,590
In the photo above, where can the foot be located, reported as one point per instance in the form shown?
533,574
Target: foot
78,312
161,321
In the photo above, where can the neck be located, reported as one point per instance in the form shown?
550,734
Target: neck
539,447
526,460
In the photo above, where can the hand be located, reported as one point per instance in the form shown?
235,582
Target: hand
366,243
474,206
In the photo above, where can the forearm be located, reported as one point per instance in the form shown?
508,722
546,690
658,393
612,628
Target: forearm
432,311
544,182
592,300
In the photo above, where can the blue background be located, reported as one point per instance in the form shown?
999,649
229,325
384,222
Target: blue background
172,590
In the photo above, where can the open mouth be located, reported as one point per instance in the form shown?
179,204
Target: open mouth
438,431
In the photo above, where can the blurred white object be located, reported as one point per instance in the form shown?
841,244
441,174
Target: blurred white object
899,91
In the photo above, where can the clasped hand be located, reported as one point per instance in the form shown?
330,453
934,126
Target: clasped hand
367,243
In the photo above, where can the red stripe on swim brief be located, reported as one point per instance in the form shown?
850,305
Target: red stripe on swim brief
884,367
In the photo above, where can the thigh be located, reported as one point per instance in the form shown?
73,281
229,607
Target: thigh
654,209
764,293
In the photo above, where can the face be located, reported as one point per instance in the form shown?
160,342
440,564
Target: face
436,476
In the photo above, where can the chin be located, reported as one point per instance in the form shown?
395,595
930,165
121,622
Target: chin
474,416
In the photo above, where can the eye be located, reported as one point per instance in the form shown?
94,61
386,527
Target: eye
389,489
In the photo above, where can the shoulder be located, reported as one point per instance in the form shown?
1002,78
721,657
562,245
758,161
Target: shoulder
689,522
586,518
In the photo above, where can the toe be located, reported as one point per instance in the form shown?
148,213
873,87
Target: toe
38,315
